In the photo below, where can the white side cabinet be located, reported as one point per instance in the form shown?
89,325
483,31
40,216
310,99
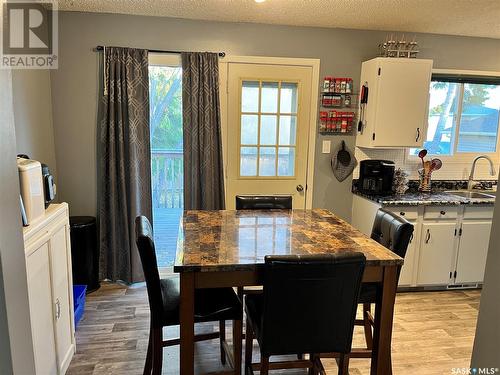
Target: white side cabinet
50,290
398,102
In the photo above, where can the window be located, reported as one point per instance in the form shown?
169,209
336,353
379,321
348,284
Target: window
463,116
268,126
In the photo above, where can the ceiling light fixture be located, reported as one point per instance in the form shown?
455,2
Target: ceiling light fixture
259,1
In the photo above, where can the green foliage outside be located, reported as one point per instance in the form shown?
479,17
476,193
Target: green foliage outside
165,88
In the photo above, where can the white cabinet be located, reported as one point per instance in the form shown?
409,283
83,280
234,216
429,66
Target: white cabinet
41,312
472,251
406,275
437,248
48,268
449,244
398,102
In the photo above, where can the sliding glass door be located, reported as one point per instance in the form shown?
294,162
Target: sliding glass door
165,87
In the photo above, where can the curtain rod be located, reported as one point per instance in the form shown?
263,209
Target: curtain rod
101,48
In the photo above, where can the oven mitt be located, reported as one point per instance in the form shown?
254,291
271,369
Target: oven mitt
340,171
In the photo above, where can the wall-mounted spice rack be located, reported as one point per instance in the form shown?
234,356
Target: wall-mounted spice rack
337,93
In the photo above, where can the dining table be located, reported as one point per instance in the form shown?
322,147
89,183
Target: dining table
226,248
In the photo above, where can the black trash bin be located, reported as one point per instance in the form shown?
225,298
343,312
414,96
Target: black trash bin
85,252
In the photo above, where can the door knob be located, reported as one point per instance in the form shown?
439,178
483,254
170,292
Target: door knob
300,188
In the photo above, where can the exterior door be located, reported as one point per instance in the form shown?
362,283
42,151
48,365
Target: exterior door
268,126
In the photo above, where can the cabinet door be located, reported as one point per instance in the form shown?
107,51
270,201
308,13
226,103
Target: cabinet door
472,251
41,310
61,290
437,245
402,103
406,276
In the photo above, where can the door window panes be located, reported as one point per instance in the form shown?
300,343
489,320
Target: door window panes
288,130
250,96
268,130
267,161
269,102
268,123
249,129
286,161
248,161
288,97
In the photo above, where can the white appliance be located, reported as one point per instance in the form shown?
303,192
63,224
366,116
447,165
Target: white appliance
31,185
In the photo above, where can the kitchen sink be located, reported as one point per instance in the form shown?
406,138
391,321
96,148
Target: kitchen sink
471,194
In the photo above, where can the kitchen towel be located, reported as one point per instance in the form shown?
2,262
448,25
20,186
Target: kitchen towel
340,171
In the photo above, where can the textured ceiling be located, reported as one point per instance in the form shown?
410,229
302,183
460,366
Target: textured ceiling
455,17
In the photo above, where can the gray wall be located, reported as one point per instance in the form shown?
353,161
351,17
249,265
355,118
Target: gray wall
74,89
486,351
33,115
16,345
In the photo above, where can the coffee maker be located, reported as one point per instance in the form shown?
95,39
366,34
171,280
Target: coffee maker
376,176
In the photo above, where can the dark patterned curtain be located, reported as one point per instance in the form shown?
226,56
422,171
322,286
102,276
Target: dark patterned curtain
203,173
124,158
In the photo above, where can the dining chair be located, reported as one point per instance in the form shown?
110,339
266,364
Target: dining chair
263,202
211,305
308,306
395,233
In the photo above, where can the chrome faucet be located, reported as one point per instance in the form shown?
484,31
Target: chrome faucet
470,184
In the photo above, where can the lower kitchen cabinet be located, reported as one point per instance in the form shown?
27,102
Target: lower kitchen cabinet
437,246
449,244
406,275
50,290
472,251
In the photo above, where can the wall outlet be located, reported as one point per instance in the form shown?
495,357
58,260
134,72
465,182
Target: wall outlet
325,149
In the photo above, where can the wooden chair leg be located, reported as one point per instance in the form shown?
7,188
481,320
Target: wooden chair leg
264,365
157,341
149,356
222,338
248,348
237,343
367,326
343,363
312,370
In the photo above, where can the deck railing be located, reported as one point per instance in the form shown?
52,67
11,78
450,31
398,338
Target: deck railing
167,175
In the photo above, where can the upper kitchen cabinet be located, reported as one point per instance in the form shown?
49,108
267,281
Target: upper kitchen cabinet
395,114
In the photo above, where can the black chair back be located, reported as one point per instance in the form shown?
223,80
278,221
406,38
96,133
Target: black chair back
310,303
262,202
146,247
392,231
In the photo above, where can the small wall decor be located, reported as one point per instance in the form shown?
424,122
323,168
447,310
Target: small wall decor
399,47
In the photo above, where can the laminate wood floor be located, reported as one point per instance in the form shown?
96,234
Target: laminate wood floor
433,333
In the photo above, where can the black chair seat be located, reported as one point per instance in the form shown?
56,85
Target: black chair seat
209,304
369,293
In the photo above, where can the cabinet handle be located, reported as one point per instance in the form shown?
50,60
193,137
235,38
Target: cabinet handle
418,135
58,309
427,236
443,212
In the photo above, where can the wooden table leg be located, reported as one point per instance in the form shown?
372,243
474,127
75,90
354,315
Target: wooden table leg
384,311
187,323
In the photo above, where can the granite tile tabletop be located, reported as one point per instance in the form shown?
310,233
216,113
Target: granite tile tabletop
419,199
239,240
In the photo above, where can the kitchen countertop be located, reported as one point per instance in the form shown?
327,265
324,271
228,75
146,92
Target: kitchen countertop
438,198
